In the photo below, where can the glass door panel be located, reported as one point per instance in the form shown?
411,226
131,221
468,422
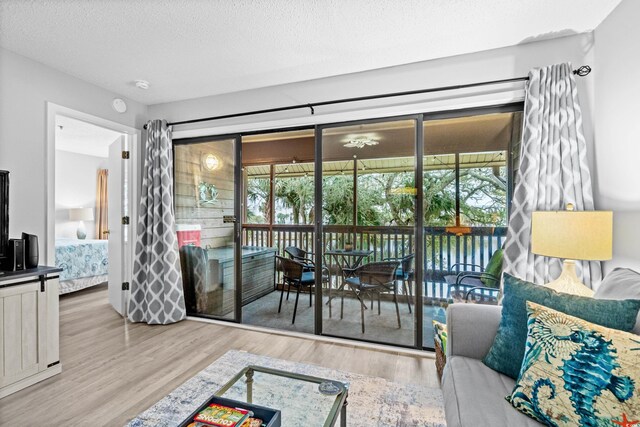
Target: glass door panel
206,212
466,182
368,224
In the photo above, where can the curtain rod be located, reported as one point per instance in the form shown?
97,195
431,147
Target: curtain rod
581,71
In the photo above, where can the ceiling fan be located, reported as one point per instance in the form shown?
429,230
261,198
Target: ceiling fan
361,142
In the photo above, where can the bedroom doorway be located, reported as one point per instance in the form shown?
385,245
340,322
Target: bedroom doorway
93,174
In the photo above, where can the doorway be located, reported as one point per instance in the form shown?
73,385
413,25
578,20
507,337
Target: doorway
92,183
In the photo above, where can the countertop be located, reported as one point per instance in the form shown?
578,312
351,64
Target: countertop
42,270
226,254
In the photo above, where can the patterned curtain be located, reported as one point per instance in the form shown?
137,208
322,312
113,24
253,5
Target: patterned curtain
156,289
102,205
553,172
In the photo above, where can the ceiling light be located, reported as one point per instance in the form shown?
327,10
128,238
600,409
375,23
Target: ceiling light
361,142
142,84
211,162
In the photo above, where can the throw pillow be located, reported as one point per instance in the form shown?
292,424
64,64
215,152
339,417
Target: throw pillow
621,283
576,373
508,347
494,267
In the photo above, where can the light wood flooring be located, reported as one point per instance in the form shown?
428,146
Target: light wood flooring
111,371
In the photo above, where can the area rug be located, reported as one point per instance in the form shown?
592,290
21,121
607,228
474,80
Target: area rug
372,401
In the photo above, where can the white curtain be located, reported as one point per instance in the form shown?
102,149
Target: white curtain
156,289
553,172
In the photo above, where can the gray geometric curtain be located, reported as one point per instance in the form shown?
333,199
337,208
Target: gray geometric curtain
553,171
156,289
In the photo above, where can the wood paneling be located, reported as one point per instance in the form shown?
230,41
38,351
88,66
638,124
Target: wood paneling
189,172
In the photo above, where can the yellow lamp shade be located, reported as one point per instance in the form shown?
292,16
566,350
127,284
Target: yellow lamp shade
574,235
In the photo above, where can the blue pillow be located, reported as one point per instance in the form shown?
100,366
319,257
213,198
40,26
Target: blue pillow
507,352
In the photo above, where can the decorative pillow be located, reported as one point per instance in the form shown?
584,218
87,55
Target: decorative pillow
440,334
494,267
576,373
621,283
508,347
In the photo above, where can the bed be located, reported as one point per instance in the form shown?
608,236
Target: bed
85,263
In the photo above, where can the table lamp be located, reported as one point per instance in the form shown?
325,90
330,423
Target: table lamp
572,235
82,215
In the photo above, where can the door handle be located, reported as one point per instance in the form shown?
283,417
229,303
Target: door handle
107,232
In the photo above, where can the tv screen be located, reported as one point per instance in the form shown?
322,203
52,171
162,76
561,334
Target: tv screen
4,212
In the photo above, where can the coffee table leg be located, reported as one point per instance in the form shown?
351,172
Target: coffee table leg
249,376
343,415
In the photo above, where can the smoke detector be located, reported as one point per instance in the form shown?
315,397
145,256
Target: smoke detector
142,84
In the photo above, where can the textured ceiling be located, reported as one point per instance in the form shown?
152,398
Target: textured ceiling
83,138
193,48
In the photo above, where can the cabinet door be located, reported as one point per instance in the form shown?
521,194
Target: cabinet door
19,324
52,323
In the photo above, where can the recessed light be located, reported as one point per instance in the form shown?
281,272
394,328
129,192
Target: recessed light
142,84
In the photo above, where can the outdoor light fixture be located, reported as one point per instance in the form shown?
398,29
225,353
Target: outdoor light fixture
572,235
361,142
211,162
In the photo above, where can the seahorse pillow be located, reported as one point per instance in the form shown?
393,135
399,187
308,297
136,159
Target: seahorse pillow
576,373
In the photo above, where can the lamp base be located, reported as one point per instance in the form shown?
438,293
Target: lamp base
81,232
568,282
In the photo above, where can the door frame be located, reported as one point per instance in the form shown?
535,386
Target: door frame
133,137
418,220
237,208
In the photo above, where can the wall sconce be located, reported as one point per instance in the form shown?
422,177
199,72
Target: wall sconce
210,162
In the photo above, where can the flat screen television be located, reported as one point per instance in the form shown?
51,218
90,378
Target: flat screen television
4,213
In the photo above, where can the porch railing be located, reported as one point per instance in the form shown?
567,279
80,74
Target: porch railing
443,247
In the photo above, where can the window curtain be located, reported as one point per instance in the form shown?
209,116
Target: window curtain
156,289
102,205
553,172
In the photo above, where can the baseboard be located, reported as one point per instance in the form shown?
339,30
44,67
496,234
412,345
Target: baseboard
29,381
427,354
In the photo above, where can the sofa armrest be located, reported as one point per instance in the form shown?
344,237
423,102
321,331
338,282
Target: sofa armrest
471,329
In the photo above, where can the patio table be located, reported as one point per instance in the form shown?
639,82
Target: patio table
348,261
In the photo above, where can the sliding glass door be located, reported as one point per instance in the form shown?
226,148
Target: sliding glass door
366,215
383,219
207,207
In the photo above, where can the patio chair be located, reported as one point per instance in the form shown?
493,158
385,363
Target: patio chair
302,256
405,274
294,274
371,279
482,283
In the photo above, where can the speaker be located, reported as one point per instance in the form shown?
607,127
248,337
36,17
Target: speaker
30,250
15,260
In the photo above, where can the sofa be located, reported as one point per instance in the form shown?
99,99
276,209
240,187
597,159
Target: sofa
474,394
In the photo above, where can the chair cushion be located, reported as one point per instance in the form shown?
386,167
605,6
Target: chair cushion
494,267
621,283
474,395
577,372
508,348
308,277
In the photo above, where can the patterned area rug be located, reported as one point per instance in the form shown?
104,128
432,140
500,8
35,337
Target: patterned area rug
372,401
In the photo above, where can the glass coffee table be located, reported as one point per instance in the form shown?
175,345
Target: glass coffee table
302,399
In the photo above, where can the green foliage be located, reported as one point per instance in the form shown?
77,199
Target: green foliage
386,199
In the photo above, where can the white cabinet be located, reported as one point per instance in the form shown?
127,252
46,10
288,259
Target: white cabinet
29,332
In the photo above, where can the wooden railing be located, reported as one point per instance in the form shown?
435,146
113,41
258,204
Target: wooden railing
443,247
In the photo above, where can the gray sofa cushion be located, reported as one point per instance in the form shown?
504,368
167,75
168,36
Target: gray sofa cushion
474,395
621,283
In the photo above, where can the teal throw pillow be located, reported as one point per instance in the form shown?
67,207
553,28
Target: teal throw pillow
507,352
494,267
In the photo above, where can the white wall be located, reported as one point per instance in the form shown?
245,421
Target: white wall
617,129
509,62
76,181
25,88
